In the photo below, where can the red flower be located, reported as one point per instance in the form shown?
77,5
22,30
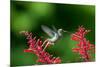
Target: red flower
83,46
38,47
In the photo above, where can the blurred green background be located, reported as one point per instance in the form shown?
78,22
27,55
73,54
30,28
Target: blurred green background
30,16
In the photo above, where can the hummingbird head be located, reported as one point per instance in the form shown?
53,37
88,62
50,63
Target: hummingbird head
60,32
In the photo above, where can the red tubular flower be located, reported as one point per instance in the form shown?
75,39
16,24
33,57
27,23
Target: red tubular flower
83,46
38,47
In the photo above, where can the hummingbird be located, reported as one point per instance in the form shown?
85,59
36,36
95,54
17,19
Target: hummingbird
53,33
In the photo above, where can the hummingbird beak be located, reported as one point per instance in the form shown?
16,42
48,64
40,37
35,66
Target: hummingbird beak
66,31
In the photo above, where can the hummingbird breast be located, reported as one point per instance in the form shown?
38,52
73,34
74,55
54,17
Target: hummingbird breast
55,38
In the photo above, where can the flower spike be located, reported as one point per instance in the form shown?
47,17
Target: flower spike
84,45
36,47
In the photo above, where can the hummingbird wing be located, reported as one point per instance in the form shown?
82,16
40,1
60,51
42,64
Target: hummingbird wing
47,30
54,28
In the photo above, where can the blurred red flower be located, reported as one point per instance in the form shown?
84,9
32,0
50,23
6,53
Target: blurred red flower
38,47
83,45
